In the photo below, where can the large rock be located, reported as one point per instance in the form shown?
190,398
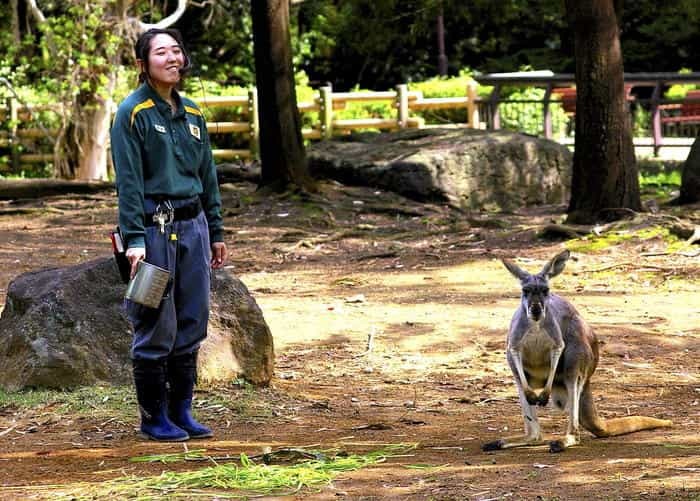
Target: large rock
66,327
467,168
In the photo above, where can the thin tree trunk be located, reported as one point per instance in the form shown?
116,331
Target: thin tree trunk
94,136
605,170
282,154
14,8
442,57
690,177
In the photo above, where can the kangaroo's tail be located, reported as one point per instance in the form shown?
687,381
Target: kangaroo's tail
600,427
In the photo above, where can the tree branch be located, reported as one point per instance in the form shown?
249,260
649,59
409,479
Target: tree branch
167,21
36,11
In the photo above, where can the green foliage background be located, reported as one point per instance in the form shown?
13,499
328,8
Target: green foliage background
373,44
352,44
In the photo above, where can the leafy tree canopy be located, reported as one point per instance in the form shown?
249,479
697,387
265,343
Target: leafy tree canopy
372,43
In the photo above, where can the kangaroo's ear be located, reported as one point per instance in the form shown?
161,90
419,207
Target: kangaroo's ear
515,270
556,265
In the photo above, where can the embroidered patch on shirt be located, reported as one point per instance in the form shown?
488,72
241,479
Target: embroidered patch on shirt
194,130
159,128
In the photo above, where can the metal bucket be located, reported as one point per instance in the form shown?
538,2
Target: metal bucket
148,285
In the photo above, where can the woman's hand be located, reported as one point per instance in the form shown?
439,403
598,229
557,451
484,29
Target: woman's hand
134,255
218,255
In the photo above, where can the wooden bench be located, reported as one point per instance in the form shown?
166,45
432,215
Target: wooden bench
689,110
567,97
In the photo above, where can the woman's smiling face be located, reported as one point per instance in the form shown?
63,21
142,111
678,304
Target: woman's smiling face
165,58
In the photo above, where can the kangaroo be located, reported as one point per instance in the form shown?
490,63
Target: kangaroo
551,348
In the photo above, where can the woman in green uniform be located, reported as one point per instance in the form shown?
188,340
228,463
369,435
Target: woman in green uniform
170,216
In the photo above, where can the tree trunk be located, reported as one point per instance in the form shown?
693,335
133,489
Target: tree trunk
690,177
282,154
81,145
605,171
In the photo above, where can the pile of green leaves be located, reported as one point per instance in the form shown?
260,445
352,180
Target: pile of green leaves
230,481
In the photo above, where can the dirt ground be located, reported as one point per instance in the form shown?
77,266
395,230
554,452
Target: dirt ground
389,319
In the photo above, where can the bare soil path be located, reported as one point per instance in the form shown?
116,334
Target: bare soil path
389,319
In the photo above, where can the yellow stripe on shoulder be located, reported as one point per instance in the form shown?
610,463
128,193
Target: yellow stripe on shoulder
148,103
194,111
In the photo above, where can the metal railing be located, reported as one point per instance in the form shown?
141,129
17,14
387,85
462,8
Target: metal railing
661,118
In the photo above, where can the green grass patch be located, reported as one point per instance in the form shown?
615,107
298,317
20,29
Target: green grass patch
680,446
194,454
229,481
246,404
595,243
93,400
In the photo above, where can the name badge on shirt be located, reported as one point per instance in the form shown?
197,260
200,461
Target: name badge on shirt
159,128
194,130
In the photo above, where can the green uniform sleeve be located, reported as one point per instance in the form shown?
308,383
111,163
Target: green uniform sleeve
126,143
211,198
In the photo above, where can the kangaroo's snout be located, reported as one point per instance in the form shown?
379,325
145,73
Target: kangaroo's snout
536,311
535,297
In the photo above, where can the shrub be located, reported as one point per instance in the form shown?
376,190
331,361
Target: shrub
526,113
678,91
446,87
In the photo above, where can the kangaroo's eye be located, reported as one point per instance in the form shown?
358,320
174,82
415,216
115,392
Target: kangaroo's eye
545,291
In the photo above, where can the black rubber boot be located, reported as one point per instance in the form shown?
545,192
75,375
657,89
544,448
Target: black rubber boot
151,393
182,376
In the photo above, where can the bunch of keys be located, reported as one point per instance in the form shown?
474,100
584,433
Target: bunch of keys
164,216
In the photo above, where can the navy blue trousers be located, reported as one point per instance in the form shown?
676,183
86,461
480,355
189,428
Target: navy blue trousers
179,325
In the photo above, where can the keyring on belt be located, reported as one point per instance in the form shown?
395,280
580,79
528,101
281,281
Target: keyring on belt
163,216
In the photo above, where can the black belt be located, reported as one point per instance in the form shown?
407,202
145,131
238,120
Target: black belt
183,213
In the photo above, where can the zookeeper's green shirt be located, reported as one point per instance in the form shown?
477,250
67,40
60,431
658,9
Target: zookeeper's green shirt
160,154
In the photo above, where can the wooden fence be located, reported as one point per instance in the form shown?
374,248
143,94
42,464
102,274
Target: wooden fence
328,124
20,134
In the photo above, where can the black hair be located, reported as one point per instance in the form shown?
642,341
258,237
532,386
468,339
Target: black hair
143,46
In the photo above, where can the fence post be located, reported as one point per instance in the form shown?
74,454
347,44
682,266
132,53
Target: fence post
326,111
547,112
472,106
656,118
13,106
493,101
402,105
253,122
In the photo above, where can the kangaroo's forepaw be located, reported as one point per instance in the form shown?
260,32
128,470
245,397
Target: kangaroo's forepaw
543,399
556,446
496,445
532,397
